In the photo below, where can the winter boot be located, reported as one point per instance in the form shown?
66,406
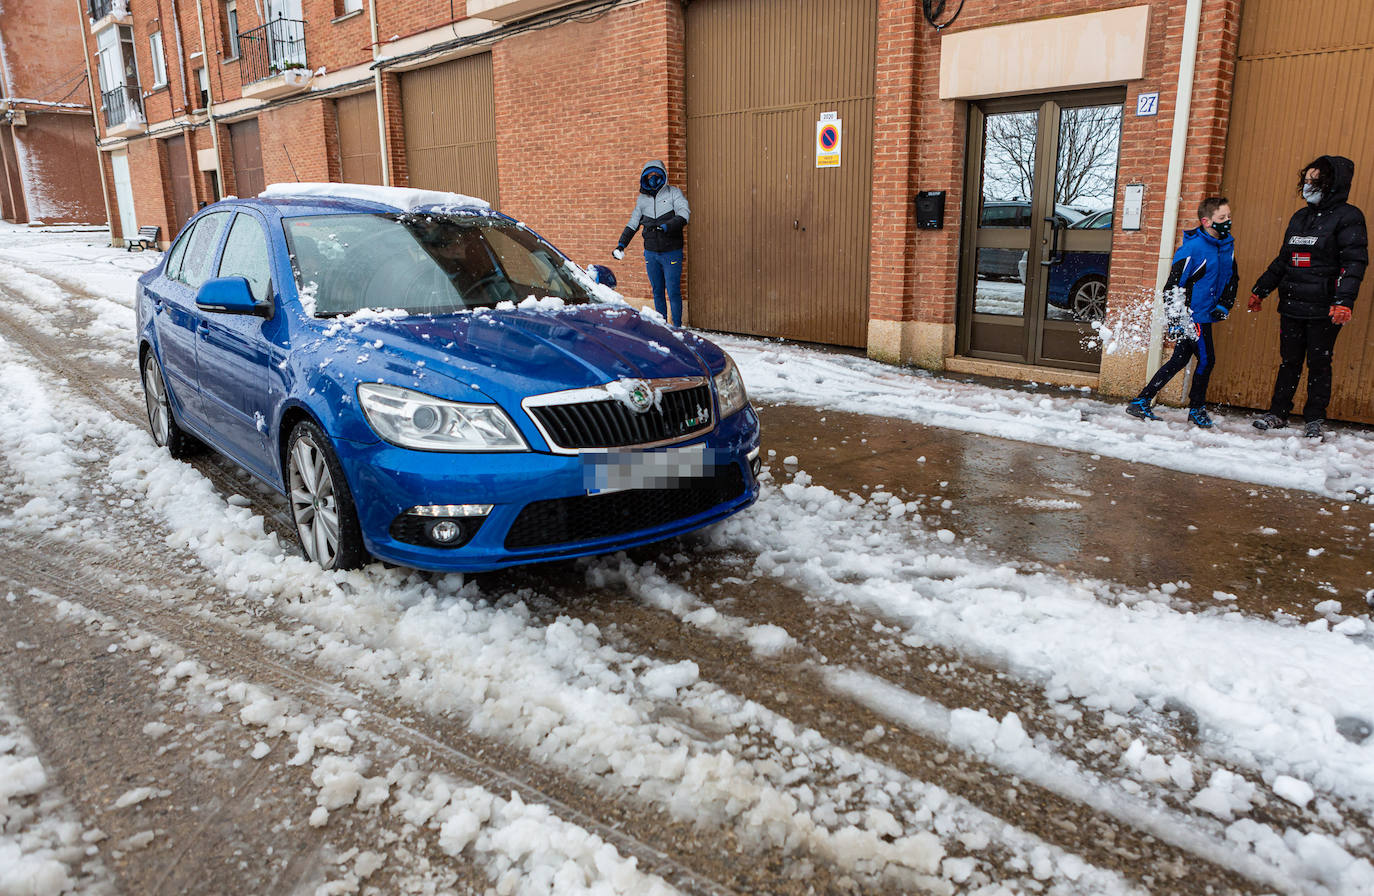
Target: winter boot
1313,429
1198,417
1270,421
1140,407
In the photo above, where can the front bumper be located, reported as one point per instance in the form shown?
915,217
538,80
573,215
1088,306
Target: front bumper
387,481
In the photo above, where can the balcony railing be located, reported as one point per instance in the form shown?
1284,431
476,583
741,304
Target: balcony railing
123,105
271,49
99,9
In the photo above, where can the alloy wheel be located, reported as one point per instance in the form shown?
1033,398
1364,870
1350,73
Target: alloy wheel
314,502
155,393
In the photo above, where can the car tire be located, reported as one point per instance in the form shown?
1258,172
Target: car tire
1088,299
167,433
321,503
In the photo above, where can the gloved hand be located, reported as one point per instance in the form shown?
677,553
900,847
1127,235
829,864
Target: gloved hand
1254,303
618,253
1340,314
1219,314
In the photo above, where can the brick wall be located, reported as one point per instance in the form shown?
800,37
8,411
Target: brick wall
579,109
920,144
295,142
51,170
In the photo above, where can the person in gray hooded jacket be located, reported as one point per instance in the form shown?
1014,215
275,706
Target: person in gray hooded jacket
662,211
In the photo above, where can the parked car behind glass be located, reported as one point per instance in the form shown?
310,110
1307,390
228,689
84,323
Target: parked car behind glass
431,383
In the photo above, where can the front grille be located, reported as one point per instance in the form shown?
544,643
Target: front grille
589,517
607,423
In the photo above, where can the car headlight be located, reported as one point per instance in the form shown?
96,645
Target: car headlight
416,420
730,388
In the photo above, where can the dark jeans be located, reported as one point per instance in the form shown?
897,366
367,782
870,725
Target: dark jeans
665,275
1311,340
1184,350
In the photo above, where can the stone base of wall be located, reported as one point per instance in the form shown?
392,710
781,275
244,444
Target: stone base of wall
911,342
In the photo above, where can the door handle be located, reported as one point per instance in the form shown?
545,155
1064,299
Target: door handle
795,223
1056,251
203,330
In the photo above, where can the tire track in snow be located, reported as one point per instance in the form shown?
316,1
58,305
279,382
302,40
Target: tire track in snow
800,683
222,645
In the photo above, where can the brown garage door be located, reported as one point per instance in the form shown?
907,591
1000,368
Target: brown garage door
450,122
1280,122
183,203
246,147
778,246
360,153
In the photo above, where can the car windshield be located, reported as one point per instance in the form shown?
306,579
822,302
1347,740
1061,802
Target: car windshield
422,263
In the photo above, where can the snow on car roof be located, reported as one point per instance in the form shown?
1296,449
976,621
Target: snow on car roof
400,198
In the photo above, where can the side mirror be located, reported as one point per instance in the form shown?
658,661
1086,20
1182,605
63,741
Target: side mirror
230,295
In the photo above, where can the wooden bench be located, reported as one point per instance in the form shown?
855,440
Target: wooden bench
146,239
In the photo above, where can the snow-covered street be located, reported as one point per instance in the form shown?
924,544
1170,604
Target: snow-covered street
971,639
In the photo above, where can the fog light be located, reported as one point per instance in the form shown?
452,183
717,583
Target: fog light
445,531
755,462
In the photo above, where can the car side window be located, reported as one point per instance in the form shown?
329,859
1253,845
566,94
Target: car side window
245,255
198,260
177,253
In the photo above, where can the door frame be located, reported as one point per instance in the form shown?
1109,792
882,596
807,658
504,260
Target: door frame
1046,164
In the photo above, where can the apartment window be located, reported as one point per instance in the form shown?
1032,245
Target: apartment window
117,66
231,28
159,60
349,6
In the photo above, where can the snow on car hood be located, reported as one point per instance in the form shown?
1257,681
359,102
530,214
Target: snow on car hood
509,354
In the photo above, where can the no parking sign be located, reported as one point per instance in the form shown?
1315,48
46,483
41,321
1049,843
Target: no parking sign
829,131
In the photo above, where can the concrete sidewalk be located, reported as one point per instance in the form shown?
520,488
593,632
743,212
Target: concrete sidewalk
1274,550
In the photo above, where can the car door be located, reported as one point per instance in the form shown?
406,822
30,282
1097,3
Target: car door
175,317
240,380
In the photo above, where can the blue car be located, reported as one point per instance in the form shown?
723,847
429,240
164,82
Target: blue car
430,383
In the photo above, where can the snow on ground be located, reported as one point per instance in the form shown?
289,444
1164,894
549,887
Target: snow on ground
1274,699
44,849
1341,466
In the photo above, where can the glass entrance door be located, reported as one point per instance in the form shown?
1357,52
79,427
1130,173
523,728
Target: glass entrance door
1039,216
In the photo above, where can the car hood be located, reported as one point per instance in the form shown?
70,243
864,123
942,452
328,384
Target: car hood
510,354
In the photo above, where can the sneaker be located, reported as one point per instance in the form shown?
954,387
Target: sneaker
1313,429
1140,407
1198,417
1270,421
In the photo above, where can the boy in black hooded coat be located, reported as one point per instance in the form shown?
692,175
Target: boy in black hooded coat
1317,273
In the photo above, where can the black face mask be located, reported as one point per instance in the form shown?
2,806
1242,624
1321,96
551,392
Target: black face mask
1223,228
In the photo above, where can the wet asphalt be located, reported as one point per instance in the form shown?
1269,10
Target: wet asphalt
1260,550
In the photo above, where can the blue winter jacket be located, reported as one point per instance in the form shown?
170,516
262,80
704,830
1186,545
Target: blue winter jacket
1206,269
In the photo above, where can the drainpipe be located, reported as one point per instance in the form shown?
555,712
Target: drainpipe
209,98
181,59
377,86
1183,108
85,23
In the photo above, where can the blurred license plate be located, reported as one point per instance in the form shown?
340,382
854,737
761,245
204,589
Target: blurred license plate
619,470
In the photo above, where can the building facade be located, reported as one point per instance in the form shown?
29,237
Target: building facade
49,168
996,194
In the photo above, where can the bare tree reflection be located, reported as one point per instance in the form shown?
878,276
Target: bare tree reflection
1089,142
